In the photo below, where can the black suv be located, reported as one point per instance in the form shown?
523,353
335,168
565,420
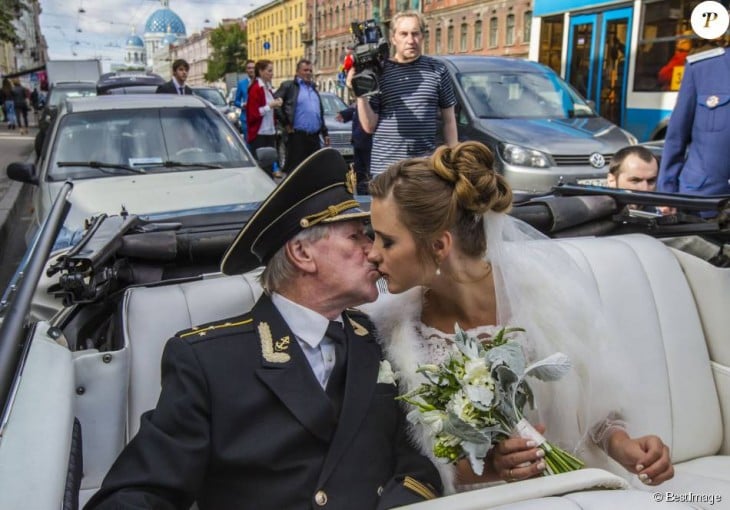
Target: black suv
128,82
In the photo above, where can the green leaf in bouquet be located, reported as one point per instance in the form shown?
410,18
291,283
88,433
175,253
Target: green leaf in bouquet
509,354
476,452
501,336
468,345
482,397
524,397
551,368
455,426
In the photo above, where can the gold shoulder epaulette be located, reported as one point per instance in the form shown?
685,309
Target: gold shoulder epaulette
704,55
423,490
202,331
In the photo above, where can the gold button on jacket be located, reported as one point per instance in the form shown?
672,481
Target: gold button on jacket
320,498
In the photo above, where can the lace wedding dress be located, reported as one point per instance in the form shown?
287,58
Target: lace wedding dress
537,287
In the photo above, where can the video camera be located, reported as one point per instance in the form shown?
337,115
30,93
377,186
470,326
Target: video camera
370,53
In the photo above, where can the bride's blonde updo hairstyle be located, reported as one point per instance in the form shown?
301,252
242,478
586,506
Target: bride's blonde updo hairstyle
450,190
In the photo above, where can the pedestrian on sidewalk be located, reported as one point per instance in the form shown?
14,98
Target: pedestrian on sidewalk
9,105
20,98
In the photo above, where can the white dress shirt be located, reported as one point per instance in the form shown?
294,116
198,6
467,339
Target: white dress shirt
267,114
309,329
180,88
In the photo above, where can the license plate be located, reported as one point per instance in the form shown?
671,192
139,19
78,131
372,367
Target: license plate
593,182
346,151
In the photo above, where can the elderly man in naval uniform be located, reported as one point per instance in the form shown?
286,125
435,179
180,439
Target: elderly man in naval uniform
289,405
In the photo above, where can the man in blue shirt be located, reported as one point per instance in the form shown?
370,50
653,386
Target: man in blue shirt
302,116
242,94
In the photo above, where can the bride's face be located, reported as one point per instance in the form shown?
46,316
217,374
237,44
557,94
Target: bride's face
395,251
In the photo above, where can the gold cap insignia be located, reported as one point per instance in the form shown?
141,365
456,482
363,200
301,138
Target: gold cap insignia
350,181
712,101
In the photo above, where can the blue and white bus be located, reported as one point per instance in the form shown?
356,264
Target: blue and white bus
626,57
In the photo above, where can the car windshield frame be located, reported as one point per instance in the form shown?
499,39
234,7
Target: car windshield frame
154,140
521,94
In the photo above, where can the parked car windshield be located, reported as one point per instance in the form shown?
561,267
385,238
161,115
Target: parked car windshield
150,140
509,94
58,94
214,96
332,104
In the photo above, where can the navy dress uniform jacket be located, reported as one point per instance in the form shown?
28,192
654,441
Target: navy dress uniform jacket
696,156
243,423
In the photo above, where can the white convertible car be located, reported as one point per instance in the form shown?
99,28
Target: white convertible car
83,331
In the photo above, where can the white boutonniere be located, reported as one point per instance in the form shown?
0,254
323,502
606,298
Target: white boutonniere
385,373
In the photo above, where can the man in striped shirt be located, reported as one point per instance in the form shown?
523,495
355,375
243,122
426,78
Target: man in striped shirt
403,117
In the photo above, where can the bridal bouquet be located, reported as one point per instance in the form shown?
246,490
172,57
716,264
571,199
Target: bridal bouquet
477,396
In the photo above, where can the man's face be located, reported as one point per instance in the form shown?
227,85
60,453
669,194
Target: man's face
304,71
407,39
251,70
395,251
181,74
635,174
342,264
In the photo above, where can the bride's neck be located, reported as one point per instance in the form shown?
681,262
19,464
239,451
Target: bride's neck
467,299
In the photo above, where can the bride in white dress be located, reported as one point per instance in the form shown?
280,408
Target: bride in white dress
450,254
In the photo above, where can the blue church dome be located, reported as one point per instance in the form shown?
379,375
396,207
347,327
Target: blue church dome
162,19
169,39
134,40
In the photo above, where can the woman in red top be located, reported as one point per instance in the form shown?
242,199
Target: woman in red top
260,109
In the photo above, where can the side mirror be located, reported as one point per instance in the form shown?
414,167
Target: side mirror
23,172
266,156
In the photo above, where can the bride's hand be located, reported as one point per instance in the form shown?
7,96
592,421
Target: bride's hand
646,456
517,458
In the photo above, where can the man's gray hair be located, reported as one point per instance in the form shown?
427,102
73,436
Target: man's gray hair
409,14
279,268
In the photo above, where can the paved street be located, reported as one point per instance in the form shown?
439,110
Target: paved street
15,207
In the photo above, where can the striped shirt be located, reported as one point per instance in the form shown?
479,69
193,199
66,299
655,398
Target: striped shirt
411,96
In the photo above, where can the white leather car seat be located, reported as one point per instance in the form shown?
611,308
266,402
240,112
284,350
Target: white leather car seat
154,314
668,305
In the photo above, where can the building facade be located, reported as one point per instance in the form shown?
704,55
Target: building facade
276,32
332,29
31,52
469,27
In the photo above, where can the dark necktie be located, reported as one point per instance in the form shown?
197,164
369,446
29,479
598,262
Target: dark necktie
336,382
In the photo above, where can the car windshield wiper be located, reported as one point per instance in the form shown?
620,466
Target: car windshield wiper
100,165
180,164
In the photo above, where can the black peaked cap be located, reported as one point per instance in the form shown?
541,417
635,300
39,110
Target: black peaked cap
319,190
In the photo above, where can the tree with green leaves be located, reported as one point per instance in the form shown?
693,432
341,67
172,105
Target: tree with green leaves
10,10
229,52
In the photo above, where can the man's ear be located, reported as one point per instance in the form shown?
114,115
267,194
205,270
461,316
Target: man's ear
301,255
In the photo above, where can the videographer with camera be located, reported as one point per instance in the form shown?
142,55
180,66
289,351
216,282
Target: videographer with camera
398,99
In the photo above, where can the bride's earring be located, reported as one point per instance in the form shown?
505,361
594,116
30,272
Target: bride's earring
438,271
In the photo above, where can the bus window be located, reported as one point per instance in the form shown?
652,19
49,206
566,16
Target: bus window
666,40
551,42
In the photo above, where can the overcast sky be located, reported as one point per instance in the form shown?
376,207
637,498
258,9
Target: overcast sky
101,30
